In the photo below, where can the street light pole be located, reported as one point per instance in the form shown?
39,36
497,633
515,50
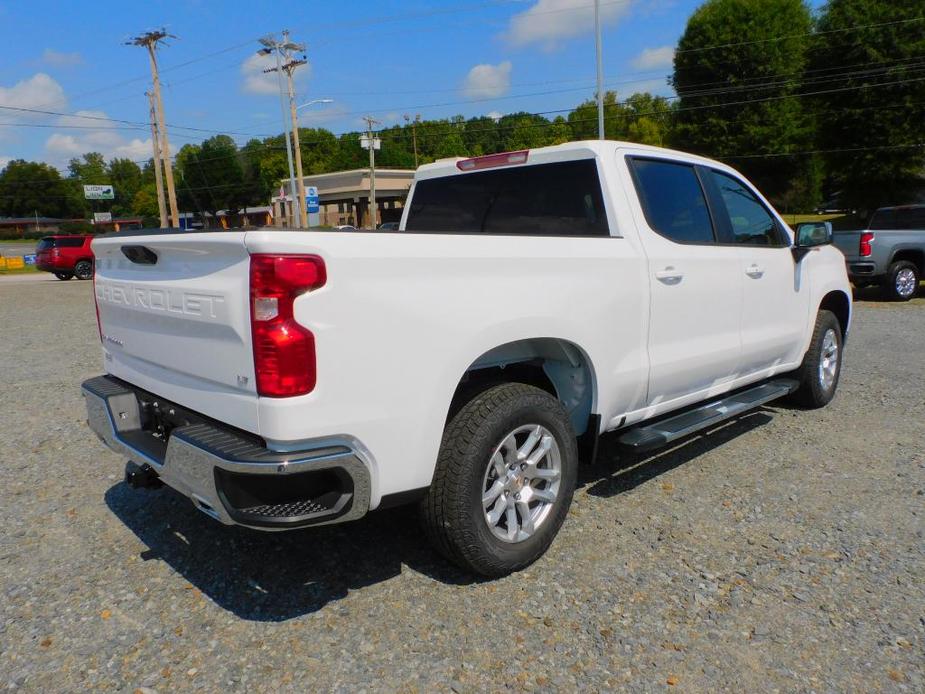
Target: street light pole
600,70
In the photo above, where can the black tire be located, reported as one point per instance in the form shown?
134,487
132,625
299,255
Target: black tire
815,391
83,270
897,285
64,276
452,512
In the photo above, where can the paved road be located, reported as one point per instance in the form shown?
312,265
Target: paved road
30,277
782,552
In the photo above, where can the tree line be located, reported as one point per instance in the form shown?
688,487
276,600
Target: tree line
810,108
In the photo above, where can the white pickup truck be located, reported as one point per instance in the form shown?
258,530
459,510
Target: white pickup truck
529,302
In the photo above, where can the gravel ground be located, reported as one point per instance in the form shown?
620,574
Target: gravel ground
784,551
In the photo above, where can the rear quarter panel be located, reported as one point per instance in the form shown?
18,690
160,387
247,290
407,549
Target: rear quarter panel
403,315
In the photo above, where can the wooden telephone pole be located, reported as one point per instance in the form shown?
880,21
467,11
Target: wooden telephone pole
158,177
150,40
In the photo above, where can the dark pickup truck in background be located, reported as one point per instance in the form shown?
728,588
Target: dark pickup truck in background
890,252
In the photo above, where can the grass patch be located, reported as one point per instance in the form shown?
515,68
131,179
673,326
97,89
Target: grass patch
792,219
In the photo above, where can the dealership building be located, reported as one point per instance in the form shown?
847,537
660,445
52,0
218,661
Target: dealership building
344,197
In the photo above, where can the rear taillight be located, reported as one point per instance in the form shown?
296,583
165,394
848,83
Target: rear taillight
867,238
284,350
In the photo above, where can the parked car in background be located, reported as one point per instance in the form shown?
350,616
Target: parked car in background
389,226
65,256
345,227
890,252
532,301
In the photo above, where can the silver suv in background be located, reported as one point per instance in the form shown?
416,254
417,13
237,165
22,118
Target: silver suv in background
889,252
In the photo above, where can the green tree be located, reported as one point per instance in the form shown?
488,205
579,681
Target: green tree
28,188
863,44
738,72
125,176
144,202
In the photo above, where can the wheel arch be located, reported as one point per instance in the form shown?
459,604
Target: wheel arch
558,366
916,256
838,303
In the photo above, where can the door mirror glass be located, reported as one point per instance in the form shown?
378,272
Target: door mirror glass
809,234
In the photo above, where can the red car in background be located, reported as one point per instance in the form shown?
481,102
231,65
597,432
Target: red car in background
65,256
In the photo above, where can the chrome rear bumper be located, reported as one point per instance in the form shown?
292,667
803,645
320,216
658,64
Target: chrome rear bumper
229,475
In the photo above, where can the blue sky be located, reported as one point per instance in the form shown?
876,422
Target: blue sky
385,58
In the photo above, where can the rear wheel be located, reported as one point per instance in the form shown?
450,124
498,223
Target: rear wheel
63,275
83,270
902,281
504,480
818,375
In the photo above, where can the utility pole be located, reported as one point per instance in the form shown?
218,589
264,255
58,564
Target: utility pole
150,40
271,45
289,67
600,70
371,143
414,134
158,179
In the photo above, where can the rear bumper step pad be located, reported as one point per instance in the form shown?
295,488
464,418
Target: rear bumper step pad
227,474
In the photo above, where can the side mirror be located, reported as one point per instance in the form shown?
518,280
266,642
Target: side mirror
810,234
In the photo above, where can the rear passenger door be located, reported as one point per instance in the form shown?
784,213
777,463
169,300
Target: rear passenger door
695,283
775,301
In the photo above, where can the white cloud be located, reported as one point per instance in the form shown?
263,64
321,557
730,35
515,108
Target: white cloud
110,143
4,161
59,59
488,81
657,87
39,91
550,22
495,115
654,58
256,81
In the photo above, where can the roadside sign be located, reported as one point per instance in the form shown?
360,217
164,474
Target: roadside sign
312,201
29,259
364,142
102,217
103,192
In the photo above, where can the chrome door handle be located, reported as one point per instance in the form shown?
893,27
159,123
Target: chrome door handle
754,271
669,275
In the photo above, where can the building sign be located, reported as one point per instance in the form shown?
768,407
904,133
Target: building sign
102,217
312,201
104,192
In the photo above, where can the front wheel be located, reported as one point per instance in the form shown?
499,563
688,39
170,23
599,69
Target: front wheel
504,480
902,281
83,270
63,276
818,375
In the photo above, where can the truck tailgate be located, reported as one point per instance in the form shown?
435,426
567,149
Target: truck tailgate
175,319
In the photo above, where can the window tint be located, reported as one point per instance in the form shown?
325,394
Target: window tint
898,218
673,201
72,242
45,244
561,199
751,222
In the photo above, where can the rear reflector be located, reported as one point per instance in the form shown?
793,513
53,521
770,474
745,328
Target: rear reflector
491,160
284,350
864,249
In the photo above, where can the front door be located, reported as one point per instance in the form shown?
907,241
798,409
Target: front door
695,283
775,301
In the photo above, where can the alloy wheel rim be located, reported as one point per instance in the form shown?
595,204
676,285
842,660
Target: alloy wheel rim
906,283
828,360
521,483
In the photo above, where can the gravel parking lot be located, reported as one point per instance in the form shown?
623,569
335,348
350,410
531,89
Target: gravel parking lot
784,551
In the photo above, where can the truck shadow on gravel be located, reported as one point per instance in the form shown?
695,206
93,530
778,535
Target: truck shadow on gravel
274,577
